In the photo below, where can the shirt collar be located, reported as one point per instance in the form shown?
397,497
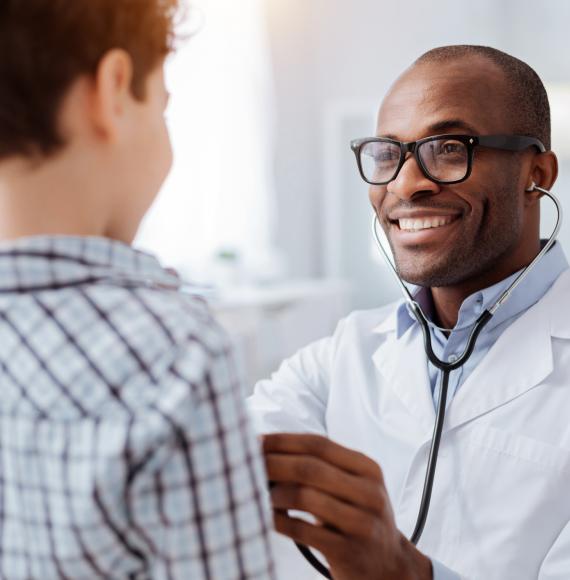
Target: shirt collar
51,262
530,291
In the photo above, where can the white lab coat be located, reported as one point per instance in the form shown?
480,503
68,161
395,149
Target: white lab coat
501,500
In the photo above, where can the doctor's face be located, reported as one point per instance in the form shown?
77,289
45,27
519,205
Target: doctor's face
442,235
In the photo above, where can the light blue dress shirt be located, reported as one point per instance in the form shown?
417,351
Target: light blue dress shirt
449,348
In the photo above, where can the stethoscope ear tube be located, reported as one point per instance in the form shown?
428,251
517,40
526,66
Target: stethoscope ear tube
415,307
550,242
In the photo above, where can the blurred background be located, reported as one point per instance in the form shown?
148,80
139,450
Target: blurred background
264,208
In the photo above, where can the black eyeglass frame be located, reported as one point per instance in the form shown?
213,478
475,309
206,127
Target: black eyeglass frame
502,142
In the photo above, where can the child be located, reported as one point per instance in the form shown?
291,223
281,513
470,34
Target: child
125,451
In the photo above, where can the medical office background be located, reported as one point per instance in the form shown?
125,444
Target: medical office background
264,210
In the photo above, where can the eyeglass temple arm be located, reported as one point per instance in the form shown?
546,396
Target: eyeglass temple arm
510,142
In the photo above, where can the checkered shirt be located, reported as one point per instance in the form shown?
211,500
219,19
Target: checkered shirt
125,451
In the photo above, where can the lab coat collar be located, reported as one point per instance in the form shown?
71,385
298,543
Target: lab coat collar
389,322
502,377
400,318
539,280
498,379
402,363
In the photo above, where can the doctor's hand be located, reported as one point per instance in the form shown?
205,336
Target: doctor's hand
345,491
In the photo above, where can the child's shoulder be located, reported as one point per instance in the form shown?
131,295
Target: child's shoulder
119,348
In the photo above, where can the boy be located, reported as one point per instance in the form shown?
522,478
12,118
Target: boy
125,449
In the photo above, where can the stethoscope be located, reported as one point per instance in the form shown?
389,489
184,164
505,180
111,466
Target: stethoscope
445,367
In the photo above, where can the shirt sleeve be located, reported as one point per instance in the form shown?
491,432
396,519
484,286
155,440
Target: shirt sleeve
295,398
440,572
196,502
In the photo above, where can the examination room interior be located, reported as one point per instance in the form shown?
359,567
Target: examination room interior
264,208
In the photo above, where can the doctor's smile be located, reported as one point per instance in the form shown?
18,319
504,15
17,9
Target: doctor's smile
420,227
423,222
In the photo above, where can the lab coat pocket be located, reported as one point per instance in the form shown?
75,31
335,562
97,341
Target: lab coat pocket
519,447
513,498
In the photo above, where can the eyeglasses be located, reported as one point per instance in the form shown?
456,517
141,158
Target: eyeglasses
443,159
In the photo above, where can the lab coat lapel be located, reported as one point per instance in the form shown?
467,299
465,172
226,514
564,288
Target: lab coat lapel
519,361
402,364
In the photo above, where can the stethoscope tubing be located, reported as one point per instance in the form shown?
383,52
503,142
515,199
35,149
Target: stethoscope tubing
504,296
445,367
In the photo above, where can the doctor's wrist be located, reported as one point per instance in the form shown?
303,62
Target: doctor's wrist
416,566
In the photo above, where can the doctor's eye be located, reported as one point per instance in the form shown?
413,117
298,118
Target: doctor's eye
444,151
450,149
382,153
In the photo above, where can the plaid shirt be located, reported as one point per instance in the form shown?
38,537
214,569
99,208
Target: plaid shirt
124,446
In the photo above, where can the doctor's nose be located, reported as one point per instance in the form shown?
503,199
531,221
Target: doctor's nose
411,181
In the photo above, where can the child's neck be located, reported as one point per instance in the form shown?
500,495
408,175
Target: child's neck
51,198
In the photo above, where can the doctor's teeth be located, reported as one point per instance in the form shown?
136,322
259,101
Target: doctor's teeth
417,224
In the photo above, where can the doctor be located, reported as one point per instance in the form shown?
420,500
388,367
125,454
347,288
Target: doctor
352,415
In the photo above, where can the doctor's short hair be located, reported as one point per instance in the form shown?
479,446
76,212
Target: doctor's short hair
528,102
45,45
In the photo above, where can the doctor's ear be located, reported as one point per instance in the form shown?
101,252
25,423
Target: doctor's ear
543,173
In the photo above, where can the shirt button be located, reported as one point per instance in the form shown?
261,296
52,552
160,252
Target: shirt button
452,358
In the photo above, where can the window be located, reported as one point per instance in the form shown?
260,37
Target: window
220,193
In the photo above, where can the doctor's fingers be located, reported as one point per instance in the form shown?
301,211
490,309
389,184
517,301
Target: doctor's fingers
328,542
325,449
312,472
332,512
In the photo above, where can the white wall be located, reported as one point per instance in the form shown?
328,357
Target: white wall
331,51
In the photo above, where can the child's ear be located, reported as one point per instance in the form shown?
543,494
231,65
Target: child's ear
112,93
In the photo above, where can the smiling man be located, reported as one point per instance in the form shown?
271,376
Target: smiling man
462,143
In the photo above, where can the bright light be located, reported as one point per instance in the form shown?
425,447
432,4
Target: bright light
559,96
219,195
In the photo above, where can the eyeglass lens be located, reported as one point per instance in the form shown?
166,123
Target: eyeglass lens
442,159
